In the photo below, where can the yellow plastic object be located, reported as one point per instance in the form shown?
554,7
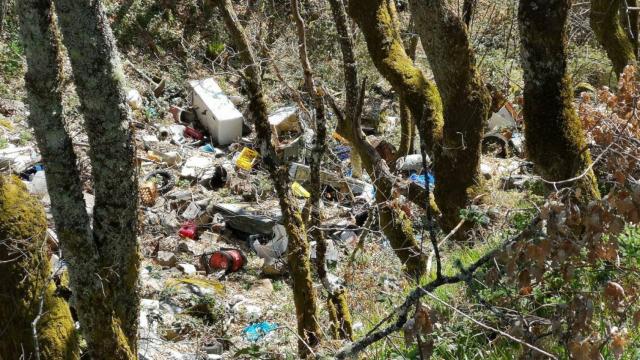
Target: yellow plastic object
299,191
339,138
153,156
247,158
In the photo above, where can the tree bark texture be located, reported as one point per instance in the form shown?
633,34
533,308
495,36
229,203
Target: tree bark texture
336,298
607,24
378,22
556,142
103,261
298,249
466,103
26,283
393,222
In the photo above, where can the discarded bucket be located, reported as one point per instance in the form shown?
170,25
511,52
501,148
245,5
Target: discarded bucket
230,260
188,230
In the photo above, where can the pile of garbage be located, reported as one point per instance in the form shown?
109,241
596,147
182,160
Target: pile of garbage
210,213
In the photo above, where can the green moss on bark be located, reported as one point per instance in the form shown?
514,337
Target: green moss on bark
466,103
556,142
378,22
25,281
607,24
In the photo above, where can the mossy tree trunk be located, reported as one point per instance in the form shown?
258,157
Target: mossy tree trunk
336,296
103,259
608,26
556,141
378,22
298,249
466,103
407,125
26,283
393,222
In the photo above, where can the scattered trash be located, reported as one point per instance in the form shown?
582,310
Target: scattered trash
18,159
411,163
270,248
208,148
149,193
300,173
422,179
496,145
244,218
505,118
247,158
331,254
299,191
216,112
219,178
134,99
193,133
38,184
486,171
164,179
196,166
259,330
192,211
170,158
227,259
285,119
188,230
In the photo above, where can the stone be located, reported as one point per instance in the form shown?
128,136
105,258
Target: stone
166,258
263,287
190,247
215,348
188,269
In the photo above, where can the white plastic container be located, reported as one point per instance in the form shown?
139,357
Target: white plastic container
216,112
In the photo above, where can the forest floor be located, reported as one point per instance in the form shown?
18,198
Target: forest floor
187,313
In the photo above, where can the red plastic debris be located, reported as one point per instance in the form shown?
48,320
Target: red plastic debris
191,132
188,230
230,260
175,111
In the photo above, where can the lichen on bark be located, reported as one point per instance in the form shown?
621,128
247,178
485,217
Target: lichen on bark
556,142
103,260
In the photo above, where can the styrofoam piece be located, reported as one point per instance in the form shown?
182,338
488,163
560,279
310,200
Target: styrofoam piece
216,112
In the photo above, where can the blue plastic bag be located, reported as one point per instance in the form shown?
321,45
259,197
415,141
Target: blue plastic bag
421,180
257,331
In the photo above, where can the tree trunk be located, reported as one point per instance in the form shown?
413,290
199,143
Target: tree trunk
556,142
103,261
378,22
336,297
607,24
396,226
298,249
26,285
466,103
